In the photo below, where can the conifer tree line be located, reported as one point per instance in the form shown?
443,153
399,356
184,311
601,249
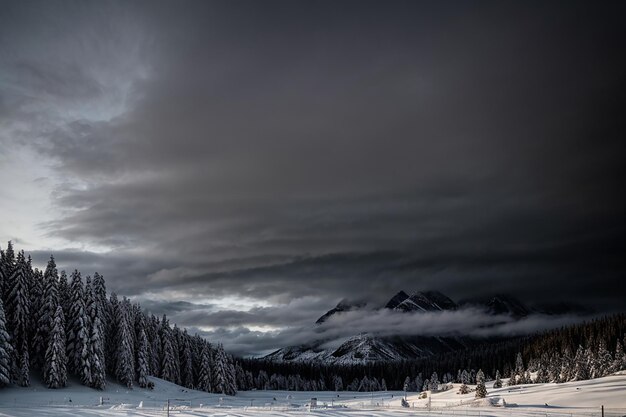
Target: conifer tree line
60,326
588,350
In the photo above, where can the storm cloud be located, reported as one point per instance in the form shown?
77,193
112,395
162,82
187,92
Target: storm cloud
280,156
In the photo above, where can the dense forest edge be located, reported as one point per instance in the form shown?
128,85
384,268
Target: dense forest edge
54,326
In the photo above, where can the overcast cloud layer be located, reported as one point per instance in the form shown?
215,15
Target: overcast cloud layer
266,159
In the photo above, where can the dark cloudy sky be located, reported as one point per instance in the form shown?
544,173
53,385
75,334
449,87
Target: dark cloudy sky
242,166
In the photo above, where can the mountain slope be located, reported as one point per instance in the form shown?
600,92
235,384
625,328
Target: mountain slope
342,306
366,348
426,301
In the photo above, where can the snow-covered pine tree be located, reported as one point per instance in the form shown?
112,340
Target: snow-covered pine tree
143,367
6,350
554,368
100,296
512,378
55,372
124,364
434,382
64,294
498,382
519,368
111,331
566,366
186,360
463,389
46,313
465,377
78,332
581,370
408,384
242,382
175,332
481,390
419,382
153,332
196,351
224,381
35,292
230,375
364,385
168,355
602,361
18,320
7,264
383,385
542,375
95,342
619,362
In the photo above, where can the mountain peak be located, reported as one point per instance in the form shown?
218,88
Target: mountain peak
427,301
343,305
396,300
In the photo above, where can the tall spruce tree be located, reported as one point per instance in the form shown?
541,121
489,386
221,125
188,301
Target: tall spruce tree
224,374
175,333
64,294
6,350
112,311
7,264
567,366
619,362
55,372
602,361
124,364
205,378
154,328
46,314
581,369
186,360
35,291
168,355
481,389
519,366
18,320
143,365
78,332
498,382
95,342
100,295
512,378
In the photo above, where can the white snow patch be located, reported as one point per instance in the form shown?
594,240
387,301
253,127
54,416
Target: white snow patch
573,399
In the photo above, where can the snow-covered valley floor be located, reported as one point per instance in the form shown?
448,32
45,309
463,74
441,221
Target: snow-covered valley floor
571,399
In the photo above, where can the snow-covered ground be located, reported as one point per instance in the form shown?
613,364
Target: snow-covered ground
542,400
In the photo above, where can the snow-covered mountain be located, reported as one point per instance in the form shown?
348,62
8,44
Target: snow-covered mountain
371,348
366,348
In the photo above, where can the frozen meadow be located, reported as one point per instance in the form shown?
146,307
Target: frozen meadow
572,399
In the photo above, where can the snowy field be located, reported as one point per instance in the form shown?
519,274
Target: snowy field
541,400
